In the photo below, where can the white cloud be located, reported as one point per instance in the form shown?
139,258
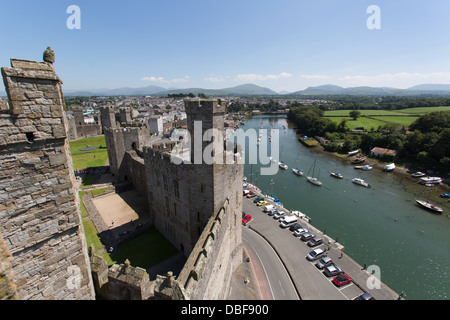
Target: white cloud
255,77
162,80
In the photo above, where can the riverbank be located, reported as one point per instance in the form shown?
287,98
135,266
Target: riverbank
400,171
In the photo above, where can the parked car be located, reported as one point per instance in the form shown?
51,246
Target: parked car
295,227
307,236
365,296
315,242
332,270
258,199
315,254
341,280
246,218
261,203
272,212
246,192
279,214
251,195
324,262
300,231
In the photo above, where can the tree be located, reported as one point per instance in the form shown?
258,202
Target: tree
355,114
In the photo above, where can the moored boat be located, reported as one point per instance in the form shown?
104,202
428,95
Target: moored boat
359,160
283,165
336,175
418,174
430,180
367,167
389,167
361,182
314,181
297,172
445,195
354,152
429,206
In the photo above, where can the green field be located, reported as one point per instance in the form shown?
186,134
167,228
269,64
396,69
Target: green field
367,123
375,118
421,111
85,159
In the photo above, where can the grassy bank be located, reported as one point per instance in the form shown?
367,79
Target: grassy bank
93,158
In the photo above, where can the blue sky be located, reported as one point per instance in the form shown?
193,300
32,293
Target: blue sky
284,44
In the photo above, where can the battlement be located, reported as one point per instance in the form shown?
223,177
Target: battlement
205,106
40,216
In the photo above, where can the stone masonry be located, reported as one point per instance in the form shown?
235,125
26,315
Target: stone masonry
39,209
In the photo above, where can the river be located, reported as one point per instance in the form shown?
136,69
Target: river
379,226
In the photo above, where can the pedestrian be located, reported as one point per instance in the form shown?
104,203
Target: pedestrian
112,223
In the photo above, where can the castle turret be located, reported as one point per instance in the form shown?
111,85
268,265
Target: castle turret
40,216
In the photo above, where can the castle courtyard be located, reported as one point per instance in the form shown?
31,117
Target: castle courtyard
121,212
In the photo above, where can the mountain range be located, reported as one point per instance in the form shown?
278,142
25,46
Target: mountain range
255,90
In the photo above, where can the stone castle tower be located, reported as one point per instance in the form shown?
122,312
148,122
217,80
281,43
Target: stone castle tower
40,219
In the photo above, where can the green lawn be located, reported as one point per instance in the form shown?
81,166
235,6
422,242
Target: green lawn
85,159
367,123
145,250
421,111
404,121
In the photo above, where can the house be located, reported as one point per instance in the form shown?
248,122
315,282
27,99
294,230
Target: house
381,152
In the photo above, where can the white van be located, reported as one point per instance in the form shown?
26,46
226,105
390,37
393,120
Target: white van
268,208
287,221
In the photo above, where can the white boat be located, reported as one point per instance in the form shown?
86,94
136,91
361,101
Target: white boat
361,182
354,152
283,165
389,167
431,180
301,216
367,167
314,181
298,172
429,206
272,159
418,174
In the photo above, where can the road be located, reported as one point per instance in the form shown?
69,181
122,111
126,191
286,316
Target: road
274,280
309,281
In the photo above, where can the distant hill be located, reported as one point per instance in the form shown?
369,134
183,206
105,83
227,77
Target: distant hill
426,89
245,89
255,90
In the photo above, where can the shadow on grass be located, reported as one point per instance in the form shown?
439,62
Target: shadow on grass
145,250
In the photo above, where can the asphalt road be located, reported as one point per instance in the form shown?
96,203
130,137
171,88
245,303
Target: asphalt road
309,281
274,280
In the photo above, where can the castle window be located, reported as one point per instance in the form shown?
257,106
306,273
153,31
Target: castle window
176,188
167,206
166,186
30,137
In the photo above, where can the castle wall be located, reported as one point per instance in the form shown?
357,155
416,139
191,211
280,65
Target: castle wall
39,209
118,142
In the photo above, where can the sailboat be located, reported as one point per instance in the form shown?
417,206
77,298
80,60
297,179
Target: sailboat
297,171
428,205
312,179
